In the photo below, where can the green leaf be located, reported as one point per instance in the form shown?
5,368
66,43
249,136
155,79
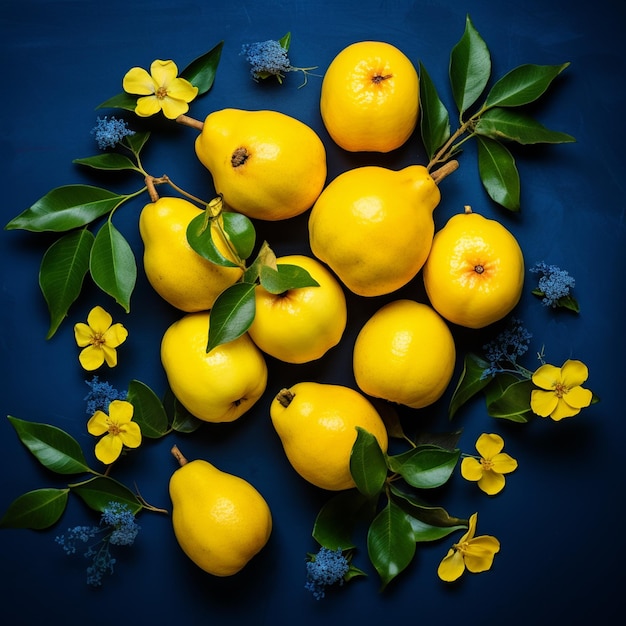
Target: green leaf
120,101
200,238
98,492
285,277
470,67
435,121
136,141
508,125
62,272
285,41
232,314
390,542
566,302
367,464
498,173
337,519
425,467
471,381
112,264
51,446
181,419
107,161
36,510
65,208
509,398
240,231
149,412
522,85
201,71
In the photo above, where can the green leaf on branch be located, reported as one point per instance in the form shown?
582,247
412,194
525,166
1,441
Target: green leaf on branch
498,173
241,233
470,68
435,120
149,412
201,71
122,100
285,277
337,519
508,397
471,381
112,264
425,467
200,238
367,464
65,208
508,125
107,161
51,446
62,272
36,510
98,492
136,141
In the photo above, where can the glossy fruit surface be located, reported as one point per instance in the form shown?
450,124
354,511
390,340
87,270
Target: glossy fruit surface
176,272
404,353
216,387
370,97
220,520
265,164
474,274
374,226
300,325
316,423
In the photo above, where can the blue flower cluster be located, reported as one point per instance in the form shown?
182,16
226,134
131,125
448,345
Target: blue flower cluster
122,529
554,283
507,347
266,58
325,568
101,394
109,132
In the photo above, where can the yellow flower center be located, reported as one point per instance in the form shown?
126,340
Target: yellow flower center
161,93
114,429
97,339
461,547
560,389
486,464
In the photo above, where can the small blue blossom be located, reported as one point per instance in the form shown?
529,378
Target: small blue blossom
325,568
101,394
110,131
267,58
554,284
507,347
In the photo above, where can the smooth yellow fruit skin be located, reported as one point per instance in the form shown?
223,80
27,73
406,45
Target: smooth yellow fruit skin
405,353
216,387
474,274
265,164
220,520
300,325
318,429
176,272
374,226
370,97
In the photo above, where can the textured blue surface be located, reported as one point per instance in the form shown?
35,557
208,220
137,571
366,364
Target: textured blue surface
558,519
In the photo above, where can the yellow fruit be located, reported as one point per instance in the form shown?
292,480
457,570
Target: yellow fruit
220,520
475,272
370,97
300,325
265,164
176,272
316,423
216,387
404,353
374,226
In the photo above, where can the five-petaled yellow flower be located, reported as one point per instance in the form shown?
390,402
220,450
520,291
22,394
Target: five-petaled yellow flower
161,90
119,428
474,553
488,471
99,338
560,394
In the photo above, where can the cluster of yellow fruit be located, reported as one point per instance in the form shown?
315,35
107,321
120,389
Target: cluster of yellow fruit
371,230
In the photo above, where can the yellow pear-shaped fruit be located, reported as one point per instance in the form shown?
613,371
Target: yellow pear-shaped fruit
374,226
176,272
218,386
220,520
265,164
316,423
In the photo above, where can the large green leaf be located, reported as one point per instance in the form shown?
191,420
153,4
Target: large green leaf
232,314
200,238
241,233
36,510
471,381
425,467
201,71
509,125
149,412
367,464
98,492
112,264
122,100
498,173
337,519
62,272
435,120
285,277
508,397
107,161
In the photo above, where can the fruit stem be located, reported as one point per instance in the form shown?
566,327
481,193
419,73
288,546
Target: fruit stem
468,209
285,397
152,192
446,169
178,455
185,120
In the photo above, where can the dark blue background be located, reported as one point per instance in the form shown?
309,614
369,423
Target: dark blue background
559,517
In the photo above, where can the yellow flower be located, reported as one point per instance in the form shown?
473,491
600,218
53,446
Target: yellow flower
99,338
488,471
474,553
560,394
120,430
162,90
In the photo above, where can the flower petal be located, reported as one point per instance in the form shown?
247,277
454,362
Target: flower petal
488,445
471,531
147,106
172,108
181,89
491,483
99,320
563,410
131,435
163,72
98,423
578,397
121,411
546,376
83,334
574,373
108,449
115,335
91,357
471,469
451,567
480,553
109,355
138,81
503,463
543,402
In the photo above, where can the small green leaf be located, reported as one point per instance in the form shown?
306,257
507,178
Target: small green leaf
51,446
120,101
98,492
471,381
367,464
201,71
337,519
425,467
285,277
62,272
200,238
112,264
149,412
566,302
470,67
241,232
498,173
36,510
65,208
107,161
390,543
285,41
509,398
507,125
435,121
232,314
181,419
136,141
522,85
